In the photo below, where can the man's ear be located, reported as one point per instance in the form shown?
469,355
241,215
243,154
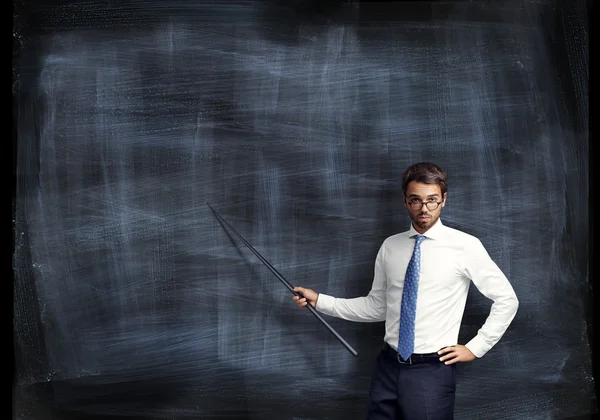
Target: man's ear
404,200
444,199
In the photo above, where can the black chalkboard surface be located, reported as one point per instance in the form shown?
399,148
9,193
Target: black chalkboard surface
295,121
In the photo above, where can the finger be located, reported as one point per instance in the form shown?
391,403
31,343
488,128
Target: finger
453,360
445,350
448,356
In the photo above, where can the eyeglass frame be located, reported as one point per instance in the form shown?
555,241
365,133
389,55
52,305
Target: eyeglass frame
423,203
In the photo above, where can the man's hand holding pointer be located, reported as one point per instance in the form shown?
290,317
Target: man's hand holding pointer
310,296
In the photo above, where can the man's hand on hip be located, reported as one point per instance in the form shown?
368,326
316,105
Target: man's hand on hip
453,354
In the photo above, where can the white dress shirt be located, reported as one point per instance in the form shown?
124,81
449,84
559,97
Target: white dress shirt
450,260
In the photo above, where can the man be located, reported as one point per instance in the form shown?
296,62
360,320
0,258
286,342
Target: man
419,289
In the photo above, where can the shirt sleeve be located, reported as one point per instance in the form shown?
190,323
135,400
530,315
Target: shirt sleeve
493,284
370,308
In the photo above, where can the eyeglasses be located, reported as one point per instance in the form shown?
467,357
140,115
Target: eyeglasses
417,204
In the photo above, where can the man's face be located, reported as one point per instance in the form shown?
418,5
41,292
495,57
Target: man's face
423,218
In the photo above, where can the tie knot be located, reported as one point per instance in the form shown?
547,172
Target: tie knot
419,239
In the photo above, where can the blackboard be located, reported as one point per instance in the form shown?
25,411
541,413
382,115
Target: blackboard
295,121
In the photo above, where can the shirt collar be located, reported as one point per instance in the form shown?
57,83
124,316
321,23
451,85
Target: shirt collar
435,232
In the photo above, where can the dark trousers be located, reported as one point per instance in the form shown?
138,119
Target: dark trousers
423,390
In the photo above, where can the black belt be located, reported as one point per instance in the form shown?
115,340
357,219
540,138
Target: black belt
414,358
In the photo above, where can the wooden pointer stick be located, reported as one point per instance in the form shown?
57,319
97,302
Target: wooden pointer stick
286,283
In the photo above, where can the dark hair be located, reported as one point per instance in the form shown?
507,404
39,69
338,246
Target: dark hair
428,173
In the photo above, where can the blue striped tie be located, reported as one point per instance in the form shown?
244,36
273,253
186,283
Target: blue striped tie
406,340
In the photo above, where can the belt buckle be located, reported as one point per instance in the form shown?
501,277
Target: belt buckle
407,362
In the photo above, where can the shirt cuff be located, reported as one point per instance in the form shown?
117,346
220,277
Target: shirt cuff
478,346
325,304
